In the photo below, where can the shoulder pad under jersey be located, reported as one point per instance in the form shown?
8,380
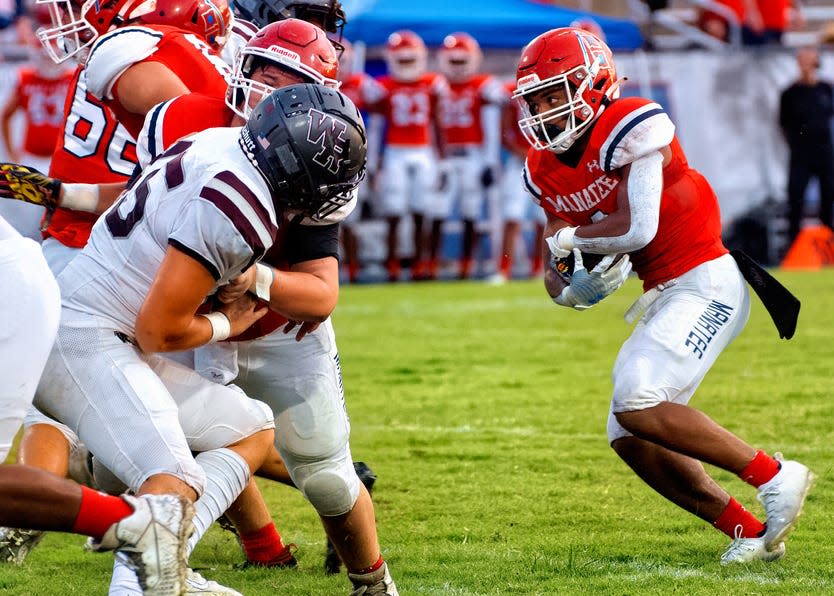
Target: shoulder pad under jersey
630,129
114,53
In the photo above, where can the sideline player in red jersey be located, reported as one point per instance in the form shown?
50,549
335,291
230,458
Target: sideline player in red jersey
38,94
469,116
612,178
408,107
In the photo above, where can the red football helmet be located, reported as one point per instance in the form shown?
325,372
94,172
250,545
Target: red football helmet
572,64
293,45
406,56
210,19
459,57
76,24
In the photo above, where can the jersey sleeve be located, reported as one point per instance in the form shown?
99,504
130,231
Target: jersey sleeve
527,179
166,123
492,91
226,227
114,53
644,127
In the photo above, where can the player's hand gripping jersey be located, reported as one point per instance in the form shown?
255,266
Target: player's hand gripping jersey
689,230
187,55
202,197
93,147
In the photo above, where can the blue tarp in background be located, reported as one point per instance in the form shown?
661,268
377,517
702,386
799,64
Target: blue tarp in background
506,24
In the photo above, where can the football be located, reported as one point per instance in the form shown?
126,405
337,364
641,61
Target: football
564,266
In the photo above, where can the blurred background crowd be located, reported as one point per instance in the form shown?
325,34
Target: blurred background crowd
443,197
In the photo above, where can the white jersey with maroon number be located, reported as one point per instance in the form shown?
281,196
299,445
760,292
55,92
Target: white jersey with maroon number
202,197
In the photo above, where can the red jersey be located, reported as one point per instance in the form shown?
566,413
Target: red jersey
42,101
511,136
187,55
93,148
689,230
459,109
409,108
775,13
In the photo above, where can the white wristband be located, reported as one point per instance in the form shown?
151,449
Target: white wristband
221,328
564,238
80,197
264,276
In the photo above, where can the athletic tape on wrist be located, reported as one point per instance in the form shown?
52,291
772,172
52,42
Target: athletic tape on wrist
221,328
80,197
264,276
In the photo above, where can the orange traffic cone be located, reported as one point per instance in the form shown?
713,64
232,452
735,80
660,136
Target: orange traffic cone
812,249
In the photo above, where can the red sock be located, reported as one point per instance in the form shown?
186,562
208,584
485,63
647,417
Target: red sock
506,265
465,267
98,512
264,545
760,470
370,569
736,515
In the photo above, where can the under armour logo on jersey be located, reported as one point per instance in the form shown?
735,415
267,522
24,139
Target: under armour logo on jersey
593,165
327,132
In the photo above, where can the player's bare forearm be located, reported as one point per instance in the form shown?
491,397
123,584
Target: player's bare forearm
308,292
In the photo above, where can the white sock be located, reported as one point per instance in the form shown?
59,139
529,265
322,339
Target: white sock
227,474
124,581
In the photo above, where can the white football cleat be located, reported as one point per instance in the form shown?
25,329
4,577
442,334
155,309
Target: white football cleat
782,497
153,540
375,583
16,544
747,550
197,584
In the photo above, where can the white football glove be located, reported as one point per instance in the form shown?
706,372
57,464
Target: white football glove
589,287
561,243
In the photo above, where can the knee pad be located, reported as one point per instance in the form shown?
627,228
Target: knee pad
331,485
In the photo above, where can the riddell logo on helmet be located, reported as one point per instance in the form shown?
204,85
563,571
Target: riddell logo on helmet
328,133
527,80
285,53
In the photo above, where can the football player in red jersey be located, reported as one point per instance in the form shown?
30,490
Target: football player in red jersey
38,94
613,179
469,114
408,107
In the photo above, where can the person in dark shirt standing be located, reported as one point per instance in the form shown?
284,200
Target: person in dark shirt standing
805,111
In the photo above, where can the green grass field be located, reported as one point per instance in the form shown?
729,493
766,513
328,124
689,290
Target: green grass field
482,410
